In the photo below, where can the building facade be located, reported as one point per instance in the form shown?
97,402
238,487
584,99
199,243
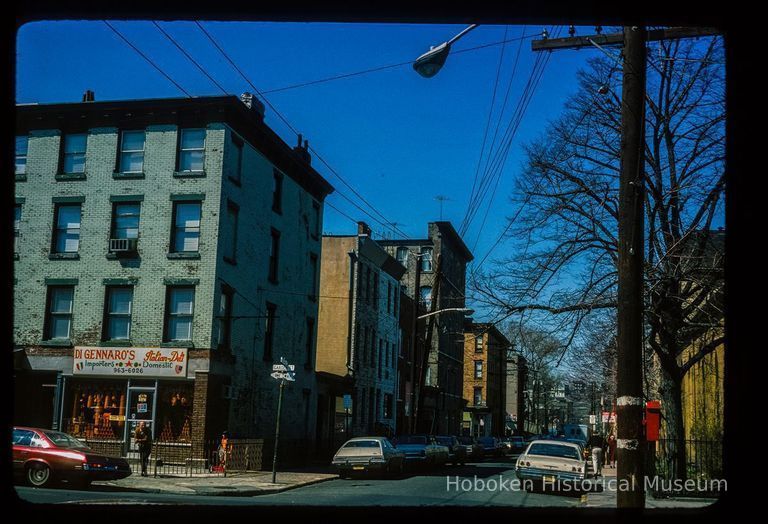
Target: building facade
358,337
161,249
485,380
442,258
516,372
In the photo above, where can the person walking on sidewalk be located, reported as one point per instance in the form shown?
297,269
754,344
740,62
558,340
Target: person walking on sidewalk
597,456
143,439
223,449
612,451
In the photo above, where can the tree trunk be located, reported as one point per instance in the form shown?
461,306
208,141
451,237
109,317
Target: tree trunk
672,408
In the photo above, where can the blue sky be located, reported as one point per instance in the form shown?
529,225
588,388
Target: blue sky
397,138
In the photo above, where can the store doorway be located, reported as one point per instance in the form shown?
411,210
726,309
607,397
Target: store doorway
141,407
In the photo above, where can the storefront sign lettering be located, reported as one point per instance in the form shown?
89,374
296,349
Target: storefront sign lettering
146,362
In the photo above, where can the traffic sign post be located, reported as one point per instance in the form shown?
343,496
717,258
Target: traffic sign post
282,372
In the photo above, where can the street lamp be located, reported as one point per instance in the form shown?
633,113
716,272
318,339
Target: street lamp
428,64
464,310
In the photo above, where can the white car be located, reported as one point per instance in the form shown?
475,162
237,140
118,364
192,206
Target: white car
368,454
551,461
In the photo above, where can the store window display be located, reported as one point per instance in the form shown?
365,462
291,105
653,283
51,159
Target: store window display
98,412
174,413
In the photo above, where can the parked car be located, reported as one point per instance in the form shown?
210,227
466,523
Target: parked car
491,446
518,444
368,454
473,449
550,461
41,457
422,449
457,453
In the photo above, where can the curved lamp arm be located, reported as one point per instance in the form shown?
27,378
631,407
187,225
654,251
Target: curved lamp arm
428,64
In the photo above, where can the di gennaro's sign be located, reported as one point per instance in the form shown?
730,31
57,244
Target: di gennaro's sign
144,362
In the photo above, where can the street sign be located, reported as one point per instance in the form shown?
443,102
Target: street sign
592,419
347,401
283,367
284,375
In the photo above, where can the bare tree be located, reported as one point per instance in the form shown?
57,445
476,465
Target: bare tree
564,269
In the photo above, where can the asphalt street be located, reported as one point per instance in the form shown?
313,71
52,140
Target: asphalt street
482,484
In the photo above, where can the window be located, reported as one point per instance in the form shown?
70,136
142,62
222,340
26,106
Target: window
125,220
237,171
367,284
269,331
387,407
389,297
132,151
225,317
402,255
426,259
479,344
185,236
179,310
66,235
478,396
376,299
308,350
119,302
59,318
22,144
478,369
313,268
192,150
274,256
277,191
373,348
315,219
396,300
231,237
16,227
381,357
74,153
425,292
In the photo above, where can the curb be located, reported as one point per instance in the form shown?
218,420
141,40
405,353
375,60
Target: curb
230,493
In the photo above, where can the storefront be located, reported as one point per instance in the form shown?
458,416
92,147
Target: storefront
112,390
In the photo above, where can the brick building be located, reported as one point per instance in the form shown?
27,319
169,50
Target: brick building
443,259
358,338
485,380
160,269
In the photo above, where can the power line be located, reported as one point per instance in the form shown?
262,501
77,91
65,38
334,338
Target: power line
145,57
180,48
285,121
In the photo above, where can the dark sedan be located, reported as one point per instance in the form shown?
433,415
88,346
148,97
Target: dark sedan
43,456
457,453
491,446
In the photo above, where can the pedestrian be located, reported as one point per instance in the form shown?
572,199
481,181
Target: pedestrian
612,450
223,449
605,451
143,438
597,456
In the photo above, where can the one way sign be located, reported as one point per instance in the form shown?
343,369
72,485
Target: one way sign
284,375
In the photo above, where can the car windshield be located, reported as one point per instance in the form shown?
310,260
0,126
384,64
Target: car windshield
554,450
62,440
412,439
445,441
362,444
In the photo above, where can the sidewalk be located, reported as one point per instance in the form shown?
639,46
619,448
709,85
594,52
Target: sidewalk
604,498
234,484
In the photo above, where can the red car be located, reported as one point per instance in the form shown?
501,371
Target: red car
43,456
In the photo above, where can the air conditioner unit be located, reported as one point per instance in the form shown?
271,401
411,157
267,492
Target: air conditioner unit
123,245
229,392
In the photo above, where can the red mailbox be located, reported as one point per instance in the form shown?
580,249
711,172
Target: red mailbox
652,420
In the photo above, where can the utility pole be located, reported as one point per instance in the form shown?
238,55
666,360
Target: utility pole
629,427
414,343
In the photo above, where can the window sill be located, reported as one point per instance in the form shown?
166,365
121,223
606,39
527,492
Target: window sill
183,256
64,256
177,344
21,178
116,343
189,174
58,343
231,261
120,176
63,177
123,255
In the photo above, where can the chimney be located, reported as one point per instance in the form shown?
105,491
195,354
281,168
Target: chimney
89,96
363,229
253,103
303,151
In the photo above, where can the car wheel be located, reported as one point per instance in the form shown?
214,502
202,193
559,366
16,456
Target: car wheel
39,475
